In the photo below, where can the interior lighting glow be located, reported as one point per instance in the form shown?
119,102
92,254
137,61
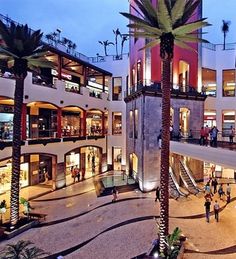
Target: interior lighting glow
156,255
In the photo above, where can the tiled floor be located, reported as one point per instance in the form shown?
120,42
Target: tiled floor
80,225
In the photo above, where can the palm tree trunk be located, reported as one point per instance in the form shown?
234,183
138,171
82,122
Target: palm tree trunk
165,151
16,150
224,41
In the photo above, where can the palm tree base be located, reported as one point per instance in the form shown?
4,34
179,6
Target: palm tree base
22,225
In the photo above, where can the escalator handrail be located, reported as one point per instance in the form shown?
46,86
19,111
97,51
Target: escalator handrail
190,176
175,182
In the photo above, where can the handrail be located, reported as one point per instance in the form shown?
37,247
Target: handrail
190,175
175,182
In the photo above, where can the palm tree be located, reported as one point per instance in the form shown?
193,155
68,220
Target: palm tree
225,30
22,249
124,39
21,49
105,44
167,23
117,33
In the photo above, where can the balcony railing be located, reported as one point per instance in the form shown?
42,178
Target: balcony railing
156,86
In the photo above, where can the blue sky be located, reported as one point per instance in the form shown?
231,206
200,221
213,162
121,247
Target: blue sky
85,22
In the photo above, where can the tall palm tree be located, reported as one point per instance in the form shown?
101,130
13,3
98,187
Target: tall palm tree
166,24
21,49
124,39
105,44
117,33
225,30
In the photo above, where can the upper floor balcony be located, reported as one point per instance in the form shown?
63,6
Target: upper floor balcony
177,91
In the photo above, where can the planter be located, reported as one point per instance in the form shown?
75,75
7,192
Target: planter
23,225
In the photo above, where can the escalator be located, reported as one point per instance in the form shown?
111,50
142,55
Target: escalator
188,179
174,189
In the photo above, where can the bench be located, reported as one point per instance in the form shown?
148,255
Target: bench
35,215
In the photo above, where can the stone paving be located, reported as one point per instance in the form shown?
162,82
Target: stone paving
80,225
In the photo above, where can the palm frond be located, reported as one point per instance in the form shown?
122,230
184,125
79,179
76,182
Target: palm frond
191,38
7,52
190,27
151,44
183,45
164,18
177,11
148,28
40,63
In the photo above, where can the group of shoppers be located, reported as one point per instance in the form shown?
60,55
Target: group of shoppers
209,136
210,195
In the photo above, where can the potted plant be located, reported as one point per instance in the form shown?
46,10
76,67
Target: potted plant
27,207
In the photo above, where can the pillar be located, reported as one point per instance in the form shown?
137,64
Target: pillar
59,67
23,121
103,123
176,121
85,76
84,123
103,83
59,122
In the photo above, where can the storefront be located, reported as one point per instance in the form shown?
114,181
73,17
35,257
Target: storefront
87,159
116,123
72,83
228,118
71,123
6,122
72,161
117,157
94,123
209,118
42,121
34,169
219,172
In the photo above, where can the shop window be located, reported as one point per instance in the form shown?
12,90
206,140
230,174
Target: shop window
116,123
94,123
117,89
183,76
131,124
209,81
6,122
229,82
210,118
135,123
70,123
228,121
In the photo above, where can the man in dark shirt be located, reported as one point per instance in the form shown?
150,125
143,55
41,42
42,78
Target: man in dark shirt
207,207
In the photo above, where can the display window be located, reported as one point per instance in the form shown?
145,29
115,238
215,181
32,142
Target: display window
228,121
5,175
70,124
6,122
94,123
116,123
229,82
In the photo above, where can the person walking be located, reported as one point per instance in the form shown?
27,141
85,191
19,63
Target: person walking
207,130
214,132
207,208
202,136
228,189
115,194
157,194
216,210
214,184
231,135
221,191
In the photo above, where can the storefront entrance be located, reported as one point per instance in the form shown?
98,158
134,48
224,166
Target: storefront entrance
116,158
34,169
87,159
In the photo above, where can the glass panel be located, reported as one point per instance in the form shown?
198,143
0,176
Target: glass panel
229,82
117,89
117,123
209,81
228,121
